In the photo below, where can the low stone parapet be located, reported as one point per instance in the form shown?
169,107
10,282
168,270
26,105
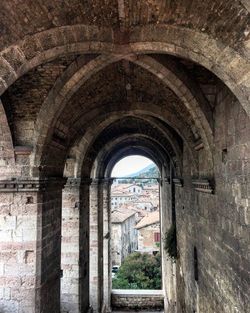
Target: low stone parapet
137,299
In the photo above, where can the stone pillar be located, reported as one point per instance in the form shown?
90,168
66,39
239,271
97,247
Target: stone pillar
107,277
70,300
168,266
95,249
50,267
30,237
75,247
100,252
84,244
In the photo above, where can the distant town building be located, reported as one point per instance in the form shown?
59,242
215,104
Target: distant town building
146,197
149,237
123,235
145,204
135,189
139,213
119,198
135,211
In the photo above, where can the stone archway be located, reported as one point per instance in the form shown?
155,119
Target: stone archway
66,74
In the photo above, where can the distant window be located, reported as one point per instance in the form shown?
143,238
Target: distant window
134,189
157,237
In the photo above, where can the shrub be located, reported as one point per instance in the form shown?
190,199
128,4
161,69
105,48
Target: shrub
170,242
139,271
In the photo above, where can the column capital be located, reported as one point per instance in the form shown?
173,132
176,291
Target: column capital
72,182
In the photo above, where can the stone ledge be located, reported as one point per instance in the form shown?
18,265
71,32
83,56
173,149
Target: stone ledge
16,185
138,299
137,293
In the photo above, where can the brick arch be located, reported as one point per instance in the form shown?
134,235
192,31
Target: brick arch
231,67
95,123
7,154
114,149
246,4
60,93
34,50
226,63
79,149
199,109
120,147
143,110
140,150
79,72
201,117
137,108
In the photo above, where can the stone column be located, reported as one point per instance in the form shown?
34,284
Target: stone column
107,278
168,266
75,254
95,249
50,267
30,237
84,244
70,300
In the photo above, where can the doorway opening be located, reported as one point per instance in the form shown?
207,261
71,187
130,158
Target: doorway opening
136,225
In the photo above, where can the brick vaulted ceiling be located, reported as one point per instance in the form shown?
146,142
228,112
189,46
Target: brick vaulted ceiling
47,86
224,20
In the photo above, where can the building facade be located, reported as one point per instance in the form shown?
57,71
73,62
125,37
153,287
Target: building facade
149,233
123,235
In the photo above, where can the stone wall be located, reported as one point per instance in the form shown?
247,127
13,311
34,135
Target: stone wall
217,225
18,250
30,245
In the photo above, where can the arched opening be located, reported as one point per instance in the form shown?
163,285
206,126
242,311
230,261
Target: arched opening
133,143
136,231
83,85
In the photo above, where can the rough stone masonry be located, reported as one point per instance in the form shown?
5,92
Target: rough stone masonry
85,83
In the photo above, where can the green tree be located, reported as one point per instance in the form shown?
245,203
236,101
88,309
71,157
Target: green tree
139,271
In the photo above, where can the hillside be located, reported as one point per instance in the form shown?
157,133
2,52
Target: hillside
149,171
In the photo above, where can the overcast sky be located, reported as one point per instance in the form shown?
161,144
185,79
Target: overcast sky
130,165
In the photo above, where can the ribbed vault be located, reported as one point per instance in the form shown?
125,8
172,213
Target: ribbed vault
129,132
125,14
85,83
109,91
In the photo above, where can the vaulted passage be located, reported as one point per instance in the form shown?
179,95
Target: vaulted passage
86,83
